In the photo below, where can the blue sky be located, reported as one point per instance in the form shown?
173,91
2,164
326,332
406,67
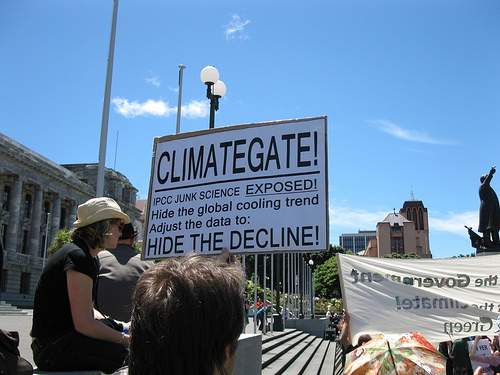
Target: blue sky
411,90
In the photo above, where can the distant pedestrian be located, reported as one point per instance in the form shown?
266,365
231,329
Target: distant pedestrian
459,352
262,317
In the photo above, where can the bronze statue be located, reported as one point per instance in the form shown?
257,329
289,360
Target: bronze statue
489,212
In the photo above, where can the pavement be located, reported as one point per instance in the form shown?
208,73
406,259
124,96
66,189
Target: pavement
22,324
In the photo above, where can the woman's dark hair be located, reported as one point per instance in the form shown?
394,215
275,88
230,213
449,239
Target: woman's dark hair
94,235
185,314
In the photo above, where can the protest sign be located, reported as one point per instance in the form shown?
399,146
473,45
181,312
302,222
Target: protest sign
483,350
256,188
443,299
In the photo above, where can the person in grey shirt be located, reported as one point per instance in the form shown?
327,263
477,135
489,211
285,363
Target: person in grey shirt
120,269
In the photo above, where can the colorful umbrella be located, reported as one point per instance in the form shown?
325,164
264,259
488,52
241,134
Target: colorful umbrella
407,354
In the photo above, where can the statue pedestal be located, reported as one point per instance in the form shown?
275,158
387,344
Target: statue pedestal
488,251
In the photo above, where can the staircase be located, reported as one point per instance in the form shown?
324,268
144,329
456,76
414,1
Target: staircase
8,309
293,352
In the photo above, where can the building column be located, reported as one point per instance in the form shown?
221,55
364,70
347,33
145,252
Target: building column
12,238
36,222
72,214
55,218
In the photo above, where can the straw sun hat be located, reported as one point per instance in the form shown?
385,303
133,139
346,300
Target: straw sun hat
97,209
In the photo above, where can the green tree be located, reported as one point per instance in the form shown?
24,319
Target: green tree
402,256
326,274
62,238
321,257
326,279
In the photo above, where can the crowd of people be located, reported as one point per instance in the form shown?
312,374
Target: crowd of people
99,307
460,353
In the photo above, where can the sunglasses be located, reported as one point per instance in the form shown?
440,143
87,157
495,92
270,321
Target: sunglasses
120,226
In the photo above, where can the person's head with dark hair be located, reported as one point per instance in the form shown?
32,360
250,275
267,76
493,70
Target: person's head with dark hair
363,339
186,319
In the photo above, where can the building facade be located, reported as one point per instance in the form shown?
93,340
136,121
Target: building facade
402,233
356,242
40,197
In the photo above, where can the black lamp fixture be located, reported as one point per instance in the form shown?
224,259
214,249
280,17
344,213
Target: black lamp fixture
215,90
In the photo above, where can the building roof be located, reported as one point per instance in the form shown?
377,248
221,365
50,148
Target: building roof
141,204
396,220
412,204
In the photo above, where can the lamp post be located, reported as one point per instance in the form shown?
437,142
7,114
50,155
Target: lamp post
311,264
215,89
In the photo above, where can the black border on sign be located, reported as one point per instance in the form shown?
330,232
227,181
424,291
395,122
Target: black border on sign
158,140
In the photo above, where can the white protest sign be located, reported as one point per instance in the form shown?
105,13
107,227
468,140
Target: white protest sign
443,299
251,188
483,350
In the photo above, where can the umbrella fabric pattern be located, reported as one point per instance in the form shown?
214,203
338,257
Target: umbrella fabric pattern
407,354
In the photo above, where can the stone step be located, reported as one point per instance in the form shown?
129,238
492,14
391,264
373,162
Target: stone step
8,309
310,359
290,355
296,353
270,342
328,361
281,347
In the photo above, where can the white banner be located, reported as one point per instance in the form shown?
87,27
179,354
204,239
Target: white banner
251,188
443,299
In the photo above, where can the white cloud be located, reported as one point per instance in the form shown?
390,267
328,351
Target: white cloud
235,29
195,109
355,219
159,108
454,222
154,80
406,134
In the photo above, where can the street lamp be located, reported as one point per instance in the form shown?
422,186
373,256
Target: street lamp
311,265
215,90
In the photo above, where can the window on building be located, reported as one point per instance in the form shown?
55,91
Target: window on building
397,246
348,243
62,222
27,206
6,198
421,219
4,234
24,287
408,214
3,285
24,245
396,229
359,244
46,209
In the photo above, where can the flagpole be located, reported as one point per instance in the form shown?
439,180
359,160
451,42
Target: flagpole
105,109
179,107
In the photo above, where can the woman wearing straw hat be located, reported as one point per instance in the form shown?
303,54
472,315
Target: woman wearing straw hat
67,333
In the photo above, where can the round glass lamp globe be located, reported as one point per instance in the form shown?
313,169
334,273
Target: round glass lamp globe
219,89
209,75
